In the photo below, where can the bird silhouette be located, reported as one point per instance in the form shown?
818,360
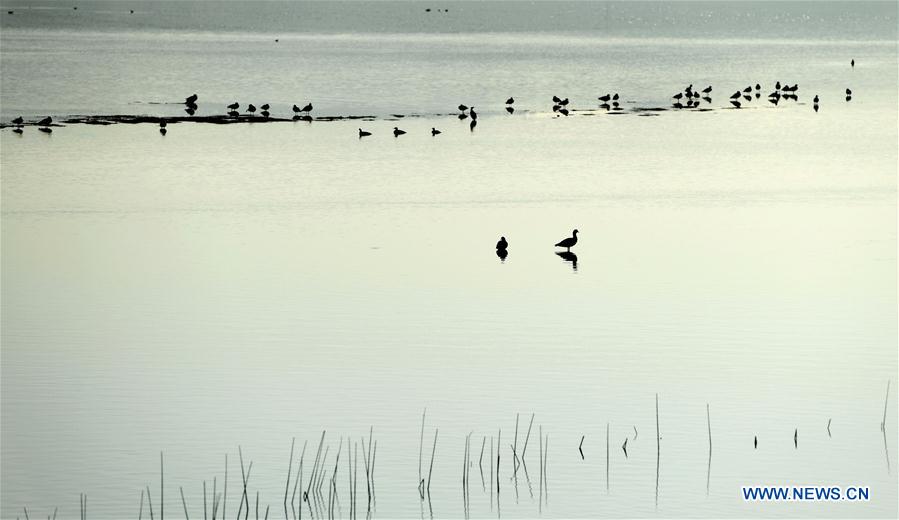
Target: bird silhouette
564,102
569,242
563,111
434,132
307,108
397,132
747,89
46,130
190,100
556,99
234,113
758,87
677,96
472,113
852,63
607,97
755,442
264,107
848,92
510,101
45,121
163,131
18,121
510,110
463,116
163,124
735,103
462,108
777,86
18,130
251,108
736,95
615,97
502,244
296,109
265,113
363,133
707,89
233,106
816,99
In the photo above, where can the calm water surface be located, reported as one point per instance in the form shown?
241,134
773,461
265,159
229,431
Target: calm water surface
247,284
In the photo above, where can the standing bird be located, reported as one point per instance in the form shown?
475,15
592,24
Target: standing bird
307,108
796,438
18,121
434,132
472,113
736,95
251,108
162,125
502,245
510,101
190,100
607,97
363,133
816,99
755,442
462,108
397,132
677,96
296,109
852,63
848,92
45,121
265,106
707,89
569,242
615,97
777,86
233,106
556,99
758,87
564,102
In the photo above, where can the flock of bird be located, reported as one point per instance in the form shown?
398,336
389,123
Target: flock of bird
688,98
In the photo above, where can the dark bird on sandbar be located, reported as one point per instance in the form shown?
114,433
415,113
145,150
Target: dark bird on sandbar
755,442
18,121
45,121
707,89
472,113
307,108
190,100
607,97
816,99
474,123
736,95
569,242
265,113
689,89
564,102
251,108
162,124
18,130
615,97
556,99
233,106
296,109
502,245
510,101
852,63
46,130
677,96
796,438
848,92
556,108
434,131
758,87
777,86
363,133
265,106
462,108
747,89
397,132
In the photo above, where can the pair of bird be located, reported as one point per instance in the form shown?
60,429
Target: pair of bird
43,123
567,243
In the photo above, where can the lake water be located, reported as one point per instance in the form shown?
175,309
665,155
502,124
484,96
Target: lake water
242,285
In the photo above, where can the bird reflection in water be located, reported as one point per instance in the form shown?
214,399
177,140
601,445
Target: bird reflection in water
568,256
502,254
